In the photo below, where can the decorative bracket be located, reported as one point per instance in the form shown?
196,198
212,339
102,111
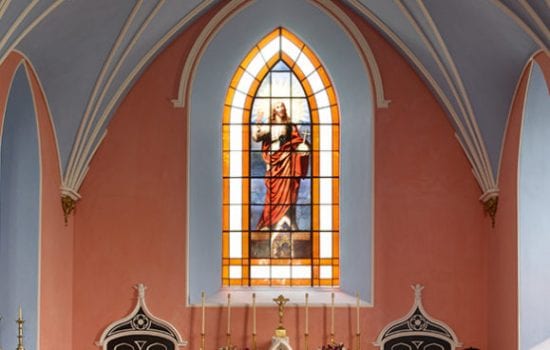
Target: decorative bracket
69,198
490,204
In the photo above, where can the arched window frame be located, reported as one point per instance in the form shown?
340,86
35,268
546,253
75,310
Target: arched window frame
281,45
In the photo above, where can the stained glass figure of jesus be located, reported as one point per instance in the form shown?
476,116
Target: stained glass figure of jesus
286,156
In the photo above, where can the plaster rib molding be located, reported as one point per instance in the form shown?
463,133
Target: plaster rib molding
536,18
521,24
29,28
471,146
202,41
486,179
89,138
361,45
3,7
16,23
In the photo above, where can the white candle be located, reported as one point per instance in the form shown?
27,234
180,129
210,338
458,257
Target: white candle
228,313
332,314
358,301
253,313
20,313
202,324
307,318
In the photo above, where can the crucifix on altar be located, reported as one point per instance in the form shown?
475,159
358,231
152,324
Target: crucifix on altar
280,341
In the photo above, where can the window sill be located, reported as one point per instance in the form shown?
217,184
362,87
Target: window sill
242,296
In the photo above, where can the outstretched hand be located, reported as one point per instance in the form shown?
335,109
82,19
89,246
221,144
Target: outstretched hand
259,117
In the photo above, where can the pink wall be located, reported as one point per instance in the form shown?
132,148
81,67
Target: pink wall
130,225
503,259
56,238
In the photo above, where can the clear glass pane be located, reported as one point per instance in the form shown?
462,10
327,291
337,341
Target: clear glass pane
305,64
325,185
259,271
325,217
280,271
321,98
235,244
245,83
325,116
235,163
325,167
289,48
325,272
325,244
235,191
255,65
301,271
280,84
325,137
315,82
271,49
235,272
297,88
235,217
264,89
238,100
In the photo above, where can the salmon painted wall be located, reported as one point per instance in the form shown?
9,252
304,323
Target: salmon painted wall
56,238
131,223
503,247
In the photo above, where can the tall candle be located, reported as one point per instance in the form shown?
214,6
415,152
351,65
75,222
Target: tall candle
228,313
202,324
332,314
253,313
307,318
358,301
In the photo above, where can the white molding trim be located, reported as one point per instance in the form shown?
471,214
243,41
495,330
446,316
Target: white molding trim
536,18
526,68
379,342
202,41
362,46
472,145
40,197
82,165
424,72
521,24
140,304
75,159
17,23
8,92
486,169
29,28
3,7
50,115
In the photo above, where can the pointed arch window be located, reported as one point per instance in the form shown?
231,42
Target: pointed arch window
280,222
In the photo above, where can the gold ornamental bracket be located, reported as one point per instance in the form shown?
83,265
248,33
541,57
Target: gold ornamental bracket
69,198
281,301
490,204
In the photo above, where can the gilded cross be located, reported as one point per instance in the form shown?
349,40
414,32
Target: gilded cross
281,301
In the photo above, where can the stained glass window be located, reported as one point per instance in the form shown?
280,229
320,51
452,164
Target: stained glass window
280,169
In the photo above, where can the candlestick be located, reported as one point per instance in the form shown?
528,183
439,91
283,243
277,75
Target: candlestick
202,305
332,318
358,323
358,332
306,333
20,322
228,320
253,321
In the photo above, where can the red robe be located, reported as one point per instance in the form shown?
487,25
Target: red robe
282,181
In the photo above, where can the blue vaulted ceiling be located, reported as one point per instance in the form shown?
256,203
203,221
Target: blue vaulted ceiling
87,54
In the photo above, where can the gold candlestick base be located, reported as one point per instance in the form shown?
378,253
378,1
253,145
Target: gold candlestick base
228,341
